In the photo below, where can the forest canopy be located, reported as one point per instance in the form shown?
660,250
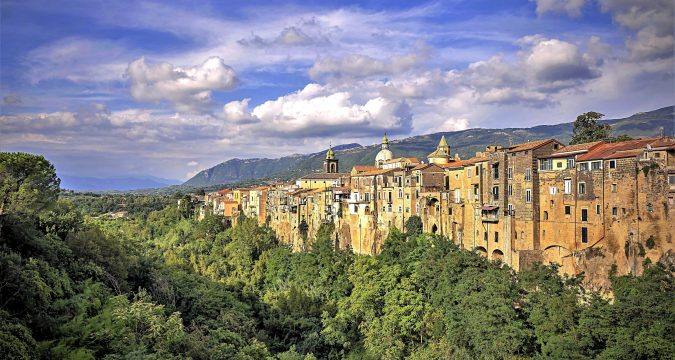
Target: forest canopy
159,284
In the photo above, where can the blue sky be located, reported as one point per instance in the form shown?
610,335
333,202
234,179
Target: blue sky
169,88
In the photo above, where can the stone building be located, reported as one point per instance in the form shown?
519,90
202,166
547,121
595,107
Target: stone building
585,207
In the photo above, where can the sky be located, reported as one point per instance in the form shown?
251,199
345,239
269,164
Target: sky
168,88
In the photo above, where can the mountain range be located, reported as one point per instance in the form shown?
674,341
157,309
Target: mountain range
465,143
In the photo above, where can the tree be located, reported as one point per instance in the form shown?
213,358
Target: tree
28,183
587,128
413,225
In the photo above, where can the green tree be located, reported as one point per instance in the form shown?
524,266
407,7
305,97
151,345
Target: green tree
588,129
413,225
28,183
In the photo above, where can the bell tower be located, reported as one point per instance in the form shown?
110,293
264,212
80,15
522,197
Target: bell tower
330,165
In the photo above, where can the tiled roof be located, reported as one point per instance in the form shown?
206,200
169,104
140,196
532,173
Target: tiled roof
461,163
361,168
575,149
324,176
374,172
530,145
623,149
665,142
393,161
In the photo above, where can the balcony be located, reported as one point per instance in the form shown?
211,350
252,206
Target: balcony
490,213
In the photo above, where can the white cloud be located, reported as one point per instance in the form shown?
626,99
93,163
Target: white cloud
653,20
193,163
77,59
319,110
358,66
237,112
188,89
570,7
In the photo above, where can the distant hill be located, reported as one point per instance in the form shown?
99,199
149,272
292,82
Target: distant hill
82,183
465,143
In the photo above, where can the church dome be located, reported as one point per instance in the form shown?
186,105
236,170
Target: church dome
384,155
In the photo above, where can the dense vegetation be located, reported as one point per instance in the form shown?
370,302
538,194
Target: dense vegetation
161,285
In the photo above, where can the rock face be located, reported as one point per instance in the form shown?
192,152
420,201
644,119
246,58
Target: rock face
590,208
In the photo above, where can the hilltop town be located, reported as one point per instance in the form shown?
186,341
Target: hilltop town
590,208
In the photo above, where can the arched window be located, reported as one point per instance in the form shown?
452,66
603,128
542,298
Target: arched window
545,215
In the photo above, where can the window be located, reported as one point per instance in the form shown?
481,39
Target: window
528,196
546,164
400,193
584,214
510,207
485,235
568,186
552,204
407,196
559,165
612,164
597,209
509,173
528,174
367,197
458,196
583,166
615,211
584,235
496,236
595,165
400,209
613,188
671,179
407,209
552,190
509,189
570,163
568,210
495,171
545,215
582,188
468,172
495,192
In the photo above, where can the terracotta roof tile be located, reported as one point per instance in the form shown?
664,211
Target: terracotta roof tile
324,176
530,145
364,167
374,172
461,163
577,148
622,149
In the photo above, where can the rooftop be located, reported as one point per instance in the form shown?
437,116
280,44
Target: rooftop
576,149
530,145
626,148
324,176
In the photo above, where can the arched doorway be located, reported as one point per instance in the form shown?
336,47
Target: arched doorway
434,228
497,255
481,251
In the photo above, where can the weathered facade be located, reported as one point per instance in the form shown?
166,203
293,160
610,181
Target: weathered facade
585,207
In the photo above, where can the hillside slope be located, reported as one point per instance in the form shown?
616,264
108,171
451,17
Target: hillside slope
465,143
